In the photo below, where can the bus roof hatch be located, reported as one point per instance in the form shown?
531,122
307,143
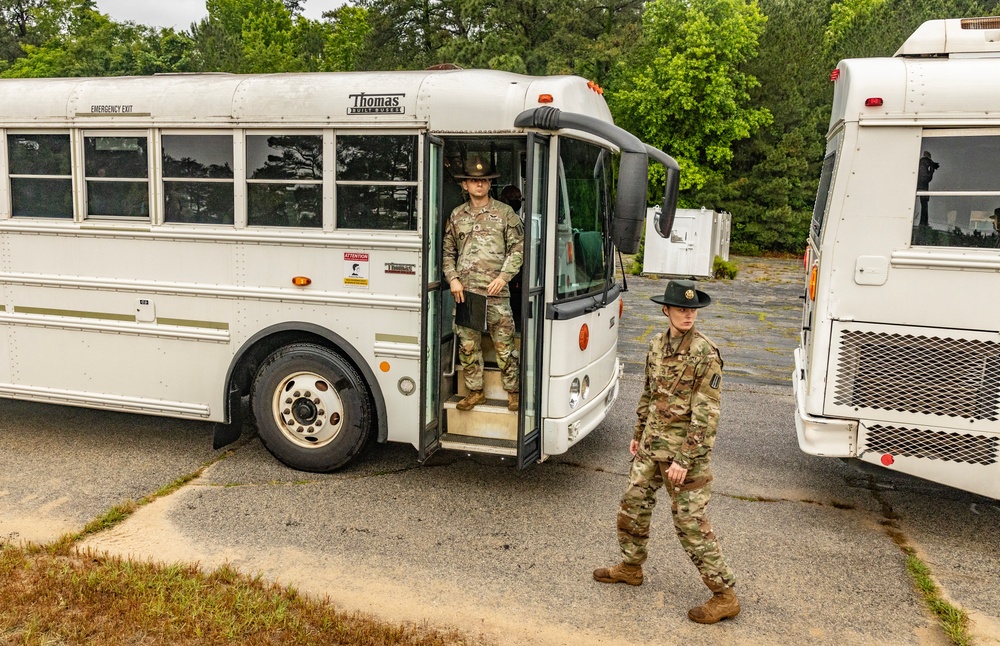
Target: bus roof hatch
954,36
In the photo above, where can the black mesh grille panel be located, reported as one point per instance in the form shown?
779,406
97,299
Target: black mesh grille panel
934,445
918,374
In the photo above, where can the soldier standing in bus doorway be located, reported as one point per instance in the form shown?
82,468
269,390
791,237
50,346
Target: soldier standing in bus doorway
925,173
483,245
672,445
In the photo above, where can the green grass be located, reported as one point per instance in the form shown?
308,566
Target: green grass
59,594
954,621
81,597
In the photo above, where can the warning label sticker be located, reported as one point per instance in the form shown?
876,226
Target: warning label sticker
356,269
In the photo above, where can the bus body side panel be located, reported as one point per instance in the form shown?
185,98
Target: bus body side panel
598,363
150,325
377,312
817,349
122,322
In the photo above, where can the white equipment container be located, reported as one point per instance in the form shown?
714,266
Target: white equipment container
697,237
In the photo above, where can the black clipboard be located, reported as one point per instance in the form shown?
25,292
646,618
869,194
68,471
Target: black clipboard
472,312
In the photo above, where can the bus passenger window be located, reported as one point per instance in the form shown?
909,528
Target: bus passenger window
377,182
41,184
957,190
198,179
285,180
117,171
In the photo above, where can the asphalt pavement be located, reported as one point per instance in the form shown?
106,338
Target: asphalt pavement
506,556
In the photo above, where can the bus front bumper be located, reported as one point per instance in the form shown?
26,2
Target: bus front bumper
561,433
826,436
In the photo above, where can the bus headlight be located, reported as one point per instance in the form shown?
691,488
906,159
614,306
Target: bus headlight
574,393
586,386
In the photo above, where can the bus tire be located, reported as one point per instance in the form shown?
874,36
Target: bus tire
312,408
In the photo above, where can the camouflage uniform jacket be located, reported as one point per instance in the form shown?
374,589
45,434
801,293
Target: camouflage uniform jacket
482,244
679,407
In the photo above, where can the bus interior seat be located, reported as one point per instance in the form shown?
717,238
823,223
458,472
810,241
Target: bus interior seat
588,246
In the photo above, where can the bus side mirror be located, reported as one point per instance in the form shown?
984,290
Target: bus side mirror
664,221
630,203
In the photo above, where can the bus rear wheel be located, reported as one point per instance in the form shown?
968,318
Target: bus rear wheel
312,408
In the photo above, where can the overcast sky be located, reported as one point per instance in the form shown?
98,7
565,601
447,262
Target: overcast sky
179,14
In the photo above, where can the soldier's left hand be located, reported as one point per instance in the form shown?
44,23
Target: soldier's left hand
496,286
676,474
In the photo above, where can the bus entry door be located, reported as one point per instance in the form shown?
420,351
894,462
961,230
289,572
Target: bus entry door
529,431
436,339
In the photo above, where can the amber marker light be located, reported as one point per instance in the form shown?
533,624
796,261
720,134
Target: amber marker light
545,98
584,336
384,366
621,307
813,277
302,281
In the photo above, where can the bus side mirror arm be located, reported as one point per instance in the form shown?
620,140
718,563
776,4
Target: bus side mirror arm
664,223
633,172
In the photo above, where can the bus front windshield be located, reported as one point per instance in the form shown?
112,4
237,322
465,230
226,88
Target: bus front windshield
583,199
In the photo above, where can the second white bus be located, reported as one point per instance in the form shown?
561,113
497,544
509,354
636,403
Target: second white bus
899,359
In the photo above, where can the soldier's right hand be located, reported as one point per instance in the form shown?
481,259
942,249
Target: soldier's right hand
457,290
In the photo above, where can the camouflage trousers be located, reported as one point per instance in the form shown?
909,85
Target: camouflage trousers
690,523
500,326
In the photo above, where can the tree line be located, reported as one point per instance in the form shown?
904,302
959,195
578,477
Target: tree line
737,91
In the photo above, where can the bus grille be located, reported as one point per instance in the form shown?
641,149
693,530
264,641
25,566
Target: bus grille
918,374
935,445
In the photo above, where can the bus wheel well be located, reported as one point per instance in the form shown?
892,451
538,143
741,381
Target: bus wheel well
253,355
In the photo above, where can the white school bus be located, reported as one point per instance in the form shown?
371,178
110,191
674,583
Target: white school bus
180,244
899,360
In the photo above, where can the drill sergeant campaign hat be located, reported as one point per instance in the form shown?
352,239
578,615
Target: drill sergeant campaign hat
681,293
477,168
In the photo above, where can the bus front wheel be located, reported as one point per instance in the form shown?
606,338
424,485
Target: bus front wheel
312,408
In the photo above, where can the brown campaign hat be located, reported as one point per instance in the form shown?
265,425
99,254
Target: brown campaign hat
681,293
477,168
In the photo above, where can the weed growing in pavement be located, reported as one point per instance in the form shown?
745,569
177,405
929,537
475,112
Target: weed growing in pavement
724,269
954,621
81,597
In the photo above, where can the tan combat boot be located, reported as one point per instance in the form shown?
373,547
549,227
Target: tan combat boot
474,397
512,401
722,605
621,573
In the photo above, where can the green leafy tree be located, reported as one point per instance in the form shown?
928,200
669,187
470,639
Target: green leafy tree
16,27
260,36
346,30
771,185
862,28
407,34
529,36
79,41
686,92
266,40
